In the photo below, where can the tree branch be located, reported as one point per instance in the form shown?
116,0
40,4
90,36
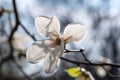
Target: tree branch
27,32
80,51
92,64
17,21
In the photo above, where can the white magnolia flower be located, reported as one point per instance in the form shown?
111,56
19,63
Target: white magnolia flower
53,47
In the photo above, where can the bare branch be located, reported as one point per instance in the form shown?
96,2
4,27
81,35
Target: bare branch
27,32
10,41
81,51
92,64
17,21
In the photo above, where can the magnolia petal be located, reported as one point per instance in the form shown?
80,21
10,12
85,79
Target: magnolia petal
74,32
38,50
50,64
52,59
53,28
41,25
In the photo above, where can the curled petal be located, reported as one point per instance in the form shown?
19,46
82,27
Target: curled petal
38,50
41,25
48,27
50,64
52,59
74,32
53,28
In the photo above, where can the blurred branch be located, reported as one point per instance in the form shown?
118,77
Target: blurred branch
10,23
11,56
20,69
16,23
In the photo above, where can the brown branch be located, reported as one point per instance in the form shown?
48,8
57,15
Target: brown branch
27,32
17,21
102,64
13,30
85,57
10,56
80,51
17,24
111,75
10,40
92,64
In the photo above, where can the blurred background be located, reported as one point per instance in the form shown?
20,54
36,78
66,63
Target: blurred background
101,44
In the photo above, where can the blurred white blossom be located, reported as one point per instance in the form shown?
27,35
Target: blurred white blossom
19,41
101,71
53,46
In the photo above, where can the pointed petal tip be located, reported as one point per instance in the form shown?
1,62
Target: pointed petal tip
54,17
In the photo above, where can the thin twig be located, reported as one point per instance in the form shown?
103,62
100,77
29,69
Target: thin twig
82,52
92,64
11,37
17,21
27,32
85,57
